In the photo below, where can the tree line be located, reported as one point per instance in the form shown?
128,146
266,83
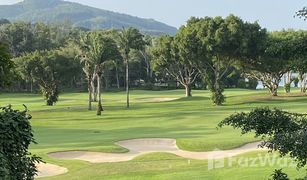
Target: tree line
209,52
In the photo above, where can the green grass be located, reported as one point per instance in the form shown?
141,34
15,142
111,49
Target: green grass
192,121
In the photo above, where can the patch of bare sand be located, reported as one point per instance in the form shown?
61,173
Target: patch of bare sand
143,146
156,99
47,170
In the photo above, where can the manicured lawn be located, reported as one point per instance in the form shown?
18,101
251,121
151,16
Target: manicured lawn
192,121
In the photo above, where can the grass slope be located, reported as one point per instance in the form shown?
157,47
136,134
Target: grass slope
192,121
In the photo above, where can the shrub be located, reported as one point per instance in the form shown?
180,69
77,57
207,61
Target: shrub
287,87
15,137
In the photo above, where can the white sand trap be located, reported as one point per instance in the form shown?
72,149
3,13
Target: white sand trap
143,146
47,170
156,99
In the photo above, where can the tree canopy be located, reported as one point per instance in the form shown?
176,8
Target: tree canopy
280,131
6,66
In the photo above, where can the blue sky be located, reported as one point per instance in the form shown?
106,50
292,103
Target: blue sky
272,14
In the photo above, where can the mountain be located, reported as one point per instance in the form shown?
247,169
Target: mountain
79,15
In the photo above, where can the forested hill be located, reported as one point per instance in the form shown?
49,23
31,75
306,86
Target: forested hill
79,15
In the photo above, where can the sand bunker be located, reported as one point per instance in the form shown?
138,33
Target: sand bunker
156,99
143,146
47,170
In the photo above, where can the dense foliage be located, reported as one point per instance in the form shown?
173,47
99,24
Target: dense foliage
49,69
281,131
6,66
16,136
210,52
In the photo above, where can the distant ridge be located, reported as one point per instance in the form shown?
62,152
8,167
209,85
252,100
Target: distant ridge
80,15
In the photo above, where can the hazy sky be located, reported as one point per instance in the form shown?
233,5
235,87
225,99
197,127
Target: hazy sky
272,14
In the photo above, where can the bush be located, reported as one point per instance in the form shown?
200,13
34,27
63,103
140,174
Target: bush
51,93
287,87
15,137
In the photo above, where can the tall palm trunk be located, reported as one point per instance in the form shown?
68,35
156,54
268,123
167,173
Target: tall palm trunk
94,88
117,77
89,92
99,109
127,81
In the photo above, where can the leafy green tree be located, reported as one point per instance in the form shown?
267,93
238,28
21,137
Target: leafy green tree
281,131
42,37
19,36
16,136
298,55
49,69
127,40
6,66
25,37
25,68
45,75
167,58
292,49
85,56
271,62
215,45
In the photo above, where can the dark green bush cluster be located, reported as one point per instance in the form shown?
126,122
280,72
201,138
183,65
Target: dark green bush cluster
15,137
51,93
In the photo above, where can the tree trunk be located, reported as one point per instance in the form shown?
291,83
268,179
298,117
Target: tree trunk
127,82
302,78
89,93
117,78
31,86
188,91
274,88
217,90
99,108
288,82
273,91
94,89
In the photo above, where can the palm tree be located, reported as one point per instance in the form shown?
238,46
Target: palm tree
101,49
83,50
128,39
